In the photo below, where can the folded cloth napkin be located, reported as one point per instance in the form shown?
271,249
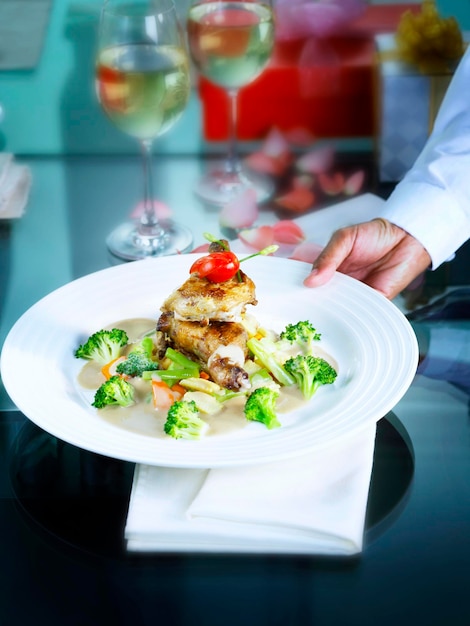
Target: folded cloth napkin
310,504
15,183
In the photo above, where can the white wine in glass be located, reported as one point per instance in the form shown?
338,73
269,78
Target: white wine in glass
231,44
143,86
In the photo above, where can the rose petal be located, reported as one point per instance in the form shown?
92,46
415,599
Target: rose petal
274,157
275,144
257,238
331,184
317,160
241,212
306,251
287,231
298,200
162,210
354,183
261,162
300,136
204,247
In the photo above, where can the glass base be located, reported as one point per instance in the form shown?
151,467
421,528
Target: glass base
219,186
125,241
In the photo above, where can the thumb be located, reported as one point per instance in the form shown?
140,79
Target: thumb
320,274
328,261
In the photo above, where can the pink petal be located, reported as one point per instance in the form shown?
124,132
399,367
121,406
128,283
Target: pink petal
317,161
266,164
204,247
241,212
300,136
162,210
257,238
297,200
306,251
275,144
354,183
331,184
274,157
287,231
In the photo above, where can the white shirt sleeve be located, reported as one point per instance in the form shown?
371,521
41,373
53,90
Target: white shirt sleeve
432,202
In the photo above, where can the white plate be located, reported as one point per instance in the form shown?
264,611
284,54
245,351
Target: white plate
371,340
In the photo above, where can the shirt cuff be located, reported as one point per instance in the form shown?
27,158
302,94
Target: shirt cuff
431,215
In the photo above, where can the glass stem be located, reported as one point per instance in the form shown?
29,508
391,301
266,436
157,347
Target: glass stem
232,164
149,225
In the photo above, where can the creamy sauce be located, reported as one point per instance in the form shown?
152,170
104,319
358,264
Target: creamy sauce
144,419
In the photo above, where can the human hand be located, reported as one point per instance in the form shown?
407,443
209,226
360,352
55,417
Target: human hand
377,253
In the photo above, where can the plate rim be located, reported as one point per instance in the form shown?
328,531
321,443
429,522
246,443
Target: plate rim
175,447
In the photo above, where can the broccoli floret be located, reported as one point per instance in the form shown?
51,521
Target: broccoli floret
139,359
269,354
261,407
310,373
183,421
136,364
115,391
303,334
103,346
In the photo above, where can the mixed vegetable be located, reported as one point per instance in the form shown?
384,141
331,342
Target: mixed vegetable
181,389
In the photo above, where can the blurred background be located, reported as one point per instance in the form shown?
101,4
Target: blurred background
47,91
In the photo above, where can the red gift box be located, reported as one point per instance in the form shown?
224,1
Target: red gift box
322,86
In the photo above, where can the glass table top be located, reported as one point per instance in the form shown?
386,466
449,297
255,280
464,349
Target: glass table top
62,510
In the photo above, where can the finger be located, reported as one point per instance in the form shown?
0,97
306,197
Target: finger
391,281
331,258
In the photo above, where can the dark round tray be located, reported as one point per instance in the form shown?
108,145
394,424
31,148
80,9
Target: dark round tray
79,499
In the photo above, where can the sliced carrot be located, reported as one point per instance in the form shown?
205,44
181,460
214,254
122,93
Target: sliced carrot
204,375
163,396
178,391
109,369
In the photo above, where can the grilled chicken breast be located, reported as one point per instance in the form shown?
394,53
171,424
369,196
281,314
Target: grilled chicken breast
199,300
219,347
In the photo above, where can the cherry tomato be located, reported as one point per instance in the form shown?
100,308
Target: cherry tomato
216,267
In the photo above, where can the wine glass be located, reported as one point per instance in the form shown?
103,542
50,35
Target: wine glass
143,86
230,42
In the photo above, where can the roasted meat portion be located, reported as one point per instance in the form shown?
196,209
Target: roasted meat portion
199,300
219,347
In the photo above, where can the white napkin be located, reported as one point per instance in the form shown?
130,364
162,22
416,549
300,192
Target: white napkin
311,504
15,183
318,226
